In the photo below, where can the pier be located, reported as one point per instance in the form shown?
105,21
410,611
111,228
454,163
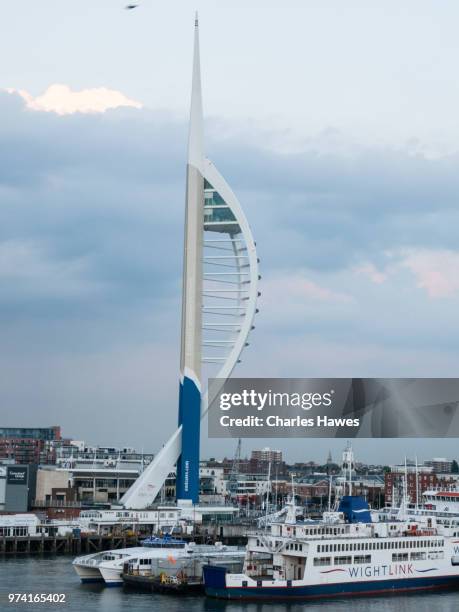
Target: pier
232,533
70,544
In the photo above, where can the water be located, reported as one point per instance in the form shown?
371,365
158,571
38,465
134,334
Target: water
56,575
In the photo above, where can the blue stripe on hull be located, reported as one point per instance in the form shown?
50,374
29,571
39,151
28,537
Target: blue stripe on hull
92,580
351,589
190,419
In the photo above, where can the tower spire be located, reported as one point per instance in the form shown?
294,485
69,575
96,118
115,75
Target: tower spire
190,358
196,133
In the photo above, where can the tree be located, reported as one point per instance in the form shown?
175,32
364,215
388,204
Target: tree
454,467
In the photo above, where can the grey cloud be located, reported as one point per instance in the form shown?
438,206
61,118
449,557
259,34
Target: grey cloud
101,199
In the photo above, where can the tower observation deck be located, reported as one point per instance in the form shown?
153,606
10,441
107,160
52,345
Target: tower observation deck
220,291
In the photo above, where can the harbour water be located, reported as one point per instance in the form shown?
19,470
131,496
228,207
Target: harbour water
55,575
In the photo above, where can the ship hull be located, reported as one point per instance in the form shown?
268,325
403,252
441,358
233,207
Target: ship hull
88,574
325,591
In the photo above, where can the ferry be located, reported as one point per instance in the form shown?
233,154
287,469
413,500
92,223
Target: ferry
98,567
182,574
439,503
107,567
345,554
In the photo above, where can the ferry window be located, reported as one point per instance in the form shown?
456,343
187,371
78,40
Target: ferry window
400,557
343,560
418,556
362,559
436,554
322,561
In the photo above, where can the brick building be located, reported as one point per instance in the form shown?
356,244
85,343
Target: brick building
29,445
394,483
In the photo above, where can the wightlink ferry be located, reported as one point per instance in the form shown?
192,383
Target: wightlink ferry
345,554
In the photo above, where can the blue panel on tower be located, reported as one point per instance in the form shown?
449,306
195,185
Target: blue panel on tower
188,463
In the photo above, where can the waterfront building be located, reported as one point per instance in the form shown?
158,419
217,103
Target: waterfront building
17,486
98,481
29,444
267,455
439,465
414,479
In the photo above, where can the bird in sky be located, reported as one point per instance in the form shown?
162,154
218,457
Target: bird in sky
129,7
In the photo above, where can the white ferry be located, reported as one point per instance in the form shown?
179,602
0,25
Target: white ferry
345,555
108,566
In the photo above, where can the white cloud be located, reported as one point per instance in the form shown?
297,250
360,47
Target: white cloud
436,271
300,290
372,273
62,100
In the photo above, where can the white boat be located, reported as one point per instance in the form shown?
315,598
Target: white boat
108,566
87,567
104,566
112,570
441,504
349,557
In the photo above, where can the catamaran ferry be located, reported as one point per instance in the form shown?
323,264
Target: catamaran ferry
108,566
346,554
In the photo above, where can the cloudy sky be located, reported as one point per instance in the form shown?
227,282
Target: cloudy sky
337,126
